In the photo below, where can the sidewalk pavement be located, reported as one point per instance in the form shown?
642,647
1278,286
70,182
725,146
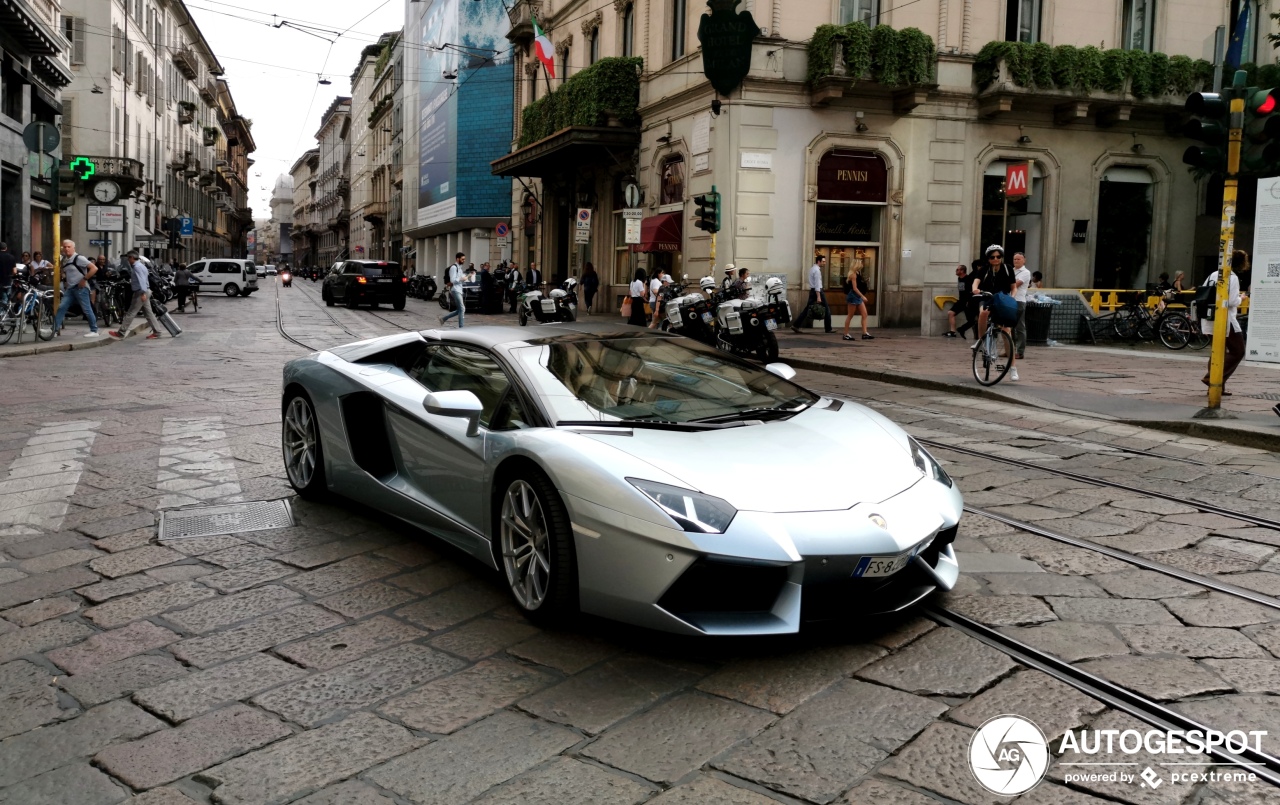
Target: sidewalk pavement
1145,385
72,338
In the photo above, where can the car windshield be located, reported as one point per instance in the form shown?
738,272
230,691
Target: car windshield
381,269
652,378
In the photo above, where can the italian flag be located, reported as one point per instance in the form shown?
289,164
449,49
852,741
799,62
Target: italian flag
545,52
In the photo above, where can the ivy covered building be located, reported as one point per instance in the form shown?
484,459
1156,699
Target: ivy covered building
876,136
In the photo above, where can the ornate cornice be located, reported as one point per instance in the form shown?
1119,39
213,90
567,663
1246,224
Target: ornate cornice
591,23
563,45
621,5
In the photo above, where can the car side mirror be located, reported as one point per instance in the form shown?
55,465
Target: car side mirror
782,370
463,404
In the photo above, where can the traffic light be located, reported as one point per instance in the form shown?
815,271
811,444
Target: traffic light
1211,129
66,180
1260,149
708,212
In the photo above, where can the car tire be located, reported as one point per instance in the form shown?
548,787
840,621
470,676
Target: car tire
524,316
231,289
768,351
530,512
328,300
352,301
398,304
300,445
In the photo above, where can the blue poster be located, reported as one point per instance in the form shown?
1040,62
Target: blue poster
437,132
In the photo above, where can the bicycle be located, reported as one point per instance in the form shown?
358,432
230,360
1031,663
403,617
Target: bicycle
993,352
1134,322
27,306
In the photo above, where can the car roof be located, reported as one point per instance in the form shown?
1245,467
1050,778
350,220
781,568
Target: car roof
493,336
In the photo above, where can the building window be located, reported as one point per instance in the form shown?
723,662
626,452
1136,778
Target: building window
1022,21
593,46
628,30
852,197
678,16
1017,224
1139,24
672,191
867,11
1123,240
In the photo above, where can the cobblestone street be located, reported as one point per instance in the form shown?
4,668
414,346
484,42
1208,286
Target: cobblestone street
352,660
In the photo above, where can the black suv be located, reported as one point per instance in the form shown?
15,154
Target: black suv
365,282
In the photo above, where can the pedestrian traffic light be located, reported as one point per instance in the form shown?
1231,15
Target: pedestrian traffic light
708,211
66,180
1212,111
1260,154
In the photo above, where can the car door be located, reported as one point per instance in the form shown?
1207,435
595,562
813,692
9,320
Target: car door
350,272
445,464
199,273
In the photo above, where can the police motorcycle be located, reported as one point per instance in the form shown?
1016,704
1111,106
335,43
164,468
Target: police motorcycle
693,314
561,304
746,326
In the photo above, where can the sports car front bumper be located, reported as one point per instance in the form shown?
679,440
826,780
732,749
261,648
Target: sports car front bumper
769,571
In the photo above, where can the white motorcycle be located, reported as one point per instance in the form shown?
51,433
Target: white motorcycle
561,304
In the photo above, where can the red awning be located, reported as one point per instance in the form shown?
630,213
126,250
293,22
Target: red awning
661,233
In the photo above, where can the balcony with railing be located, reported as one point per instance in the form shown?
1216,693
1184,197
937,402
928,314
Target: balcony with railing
185,62
879,62
130,174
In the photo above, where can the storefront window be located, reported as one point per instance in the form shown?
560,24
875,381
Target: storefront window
672,181
852,196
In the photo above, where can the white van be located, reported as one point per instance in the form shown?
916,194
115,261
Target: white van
227,275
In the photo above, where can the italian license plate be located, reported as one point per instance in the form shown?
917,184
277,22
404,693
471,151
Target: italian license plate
770,324
387,279
870,567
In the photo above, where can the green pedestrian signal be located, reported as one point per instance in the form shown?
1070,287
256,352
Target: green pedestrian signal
83,168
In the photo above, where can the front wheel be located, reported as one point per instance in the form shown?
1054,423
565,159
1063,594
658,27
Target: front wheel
328,300
537,558
524,316
230,289
1174,331
300,442
398,304
768,350
993,358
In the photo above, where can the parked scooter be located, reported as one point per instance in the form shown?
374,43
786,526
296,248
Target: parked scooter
693,314
561,304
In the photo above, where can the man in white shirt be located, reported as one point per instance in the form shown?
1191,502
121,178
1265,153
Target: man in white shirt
1021,282
1235,335
453,285
816,297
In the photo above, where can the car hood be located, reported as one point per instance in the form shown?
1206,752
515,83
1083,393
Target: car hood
829,457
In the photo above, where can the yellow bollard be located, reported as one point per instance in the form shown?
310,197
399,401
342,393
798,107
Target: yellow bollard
1095,302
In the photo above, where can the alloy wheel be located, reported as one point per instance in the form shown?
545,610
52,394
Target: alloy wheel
300,440
525,545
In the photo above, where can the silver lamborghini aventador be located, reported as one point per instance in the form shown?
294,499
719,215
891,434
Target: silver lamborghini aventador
628,473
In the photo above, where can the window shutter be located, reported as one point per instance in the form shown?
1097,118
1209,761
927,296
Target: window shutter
77,40
128,63
68,126
117,49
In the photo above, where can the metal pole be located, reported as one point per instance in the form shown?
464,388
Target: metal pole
57,236
1217,359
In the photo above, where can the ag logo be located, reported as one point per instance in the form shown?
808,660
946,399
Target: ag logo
1008,755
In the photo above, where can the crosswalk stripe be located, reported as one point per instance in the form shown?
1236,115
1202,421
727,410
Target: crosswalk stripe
37,490
195,463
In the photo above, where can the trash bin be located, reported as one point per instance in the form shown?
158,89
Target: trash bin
1038,314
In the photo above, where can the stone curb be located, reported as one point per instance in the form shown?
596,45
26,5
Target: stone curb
1240,434
66,346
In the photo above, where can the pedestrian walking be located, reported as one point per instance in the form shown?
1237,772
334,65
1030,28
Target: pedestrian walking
816,297
855,294
635,300
141,287
1021,282
1235,335
655,296
590,284
453,277
76,271
533,278
184,283
513,276
964,295
486,291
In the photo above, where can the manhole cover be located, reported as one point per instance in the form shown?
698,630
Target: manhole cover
233,518
1095,375
1266,396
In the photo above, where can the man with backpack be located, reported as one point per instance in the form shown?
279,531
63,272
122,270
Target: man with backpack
76,271
1207,309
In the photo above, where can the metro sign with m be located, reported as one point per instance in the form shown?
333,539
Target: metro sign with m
1017,180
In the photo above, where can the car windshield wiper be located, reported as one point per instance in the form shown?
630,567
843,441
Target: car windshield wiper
751,413
652,424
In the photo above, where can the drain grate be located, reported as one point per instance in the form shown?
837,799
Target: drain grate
232,518
1265,396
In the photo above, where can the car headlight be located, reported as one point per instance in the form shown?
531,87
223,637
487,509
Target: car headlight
692,511
928,465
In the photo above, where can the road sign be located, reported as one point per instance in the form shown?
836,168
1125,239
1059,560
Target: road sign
1017,180
503,230
83,168
100,242
41,137
633,230
188,229
104,218
582,226
631,195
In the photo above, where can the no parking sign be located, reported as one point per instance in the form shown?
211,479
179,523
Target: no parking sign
582,226
503,232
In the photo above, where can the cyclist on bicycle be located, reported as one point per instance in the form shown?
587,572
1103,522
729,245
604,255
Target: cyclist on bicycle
996,277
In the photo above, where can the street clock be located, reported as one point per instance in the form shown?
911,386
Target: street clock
106,191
